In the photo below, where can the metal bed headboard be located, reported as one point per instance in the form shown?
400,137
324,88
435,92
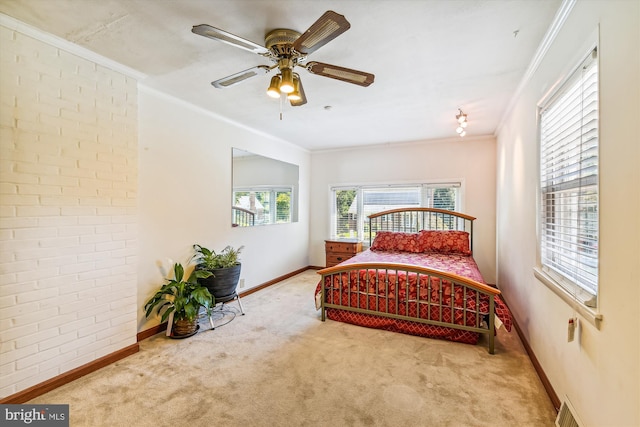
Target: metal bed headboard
412,220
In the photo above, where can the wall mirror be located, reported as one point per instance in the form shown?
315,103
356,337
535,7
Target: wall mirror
265,190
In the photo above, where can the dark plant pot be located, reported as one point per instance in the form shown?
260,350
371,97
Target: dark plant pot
222,285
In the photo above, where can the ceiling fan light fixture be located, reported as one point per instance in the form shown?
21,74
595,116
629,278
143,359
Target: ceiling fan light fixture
274,87
295,95
286,85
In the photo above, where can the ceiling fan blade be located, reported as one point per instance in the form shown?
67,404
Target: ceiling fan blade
226,37
326,28
241,76
303,97
340,73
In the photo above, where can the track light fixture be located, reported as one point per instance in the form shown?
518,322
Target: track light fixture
461,118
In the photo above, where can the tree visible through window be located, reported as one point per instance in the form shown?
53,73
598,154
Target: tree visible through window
345,221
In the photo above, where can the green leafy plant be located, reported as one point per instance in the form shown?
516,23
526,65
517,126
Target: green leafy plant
207,259
181,297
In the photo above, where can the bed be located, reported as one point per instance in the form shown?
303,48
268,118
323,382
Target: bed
418,277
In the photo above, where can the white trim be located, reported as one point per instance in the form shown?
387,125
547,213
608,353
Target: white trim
396,145
549,37
592,316
570,293
592,42
36,33
460,203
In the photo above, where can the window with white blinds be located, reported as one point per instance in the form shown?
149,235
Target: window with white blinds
569,180
269,205
352,204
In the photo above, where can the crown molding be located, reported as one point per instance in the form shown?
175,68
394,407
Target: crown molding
554,29
36,33
417,143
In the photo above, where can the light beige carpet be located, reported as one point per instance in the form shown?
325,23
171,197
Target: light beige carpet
279,365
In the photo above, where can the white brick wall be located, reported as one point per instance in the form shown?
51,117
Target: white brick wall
68,222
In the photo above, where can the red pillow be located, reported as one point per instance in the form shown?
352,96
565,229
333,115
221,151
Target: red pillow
444,242
395,241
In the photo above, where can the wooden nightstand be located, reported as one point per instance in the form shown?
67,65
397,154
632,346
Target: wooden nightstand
341,250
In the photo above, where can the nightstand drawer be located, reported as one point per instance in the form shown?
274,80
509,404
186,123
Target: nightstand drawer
340,250
343,247
333,259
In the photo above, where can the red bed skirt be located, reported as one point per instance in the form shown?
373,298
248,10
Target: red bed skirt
402,326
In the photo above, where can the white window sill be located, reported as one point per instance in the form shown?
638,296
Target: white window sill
588,313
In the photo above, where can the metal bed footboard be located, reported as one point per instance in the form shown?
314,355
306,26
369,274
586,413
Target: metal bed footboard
377,288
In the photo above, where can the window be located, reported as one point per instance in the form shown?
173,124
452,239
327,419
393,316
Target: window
352,205
270,205
569,182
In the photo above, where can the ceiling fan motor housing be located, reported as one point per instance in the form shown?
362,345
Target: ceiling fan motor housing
279,42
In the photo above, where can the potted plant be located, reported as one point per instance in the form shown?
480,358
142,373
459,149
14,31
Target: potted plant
224,268
183,298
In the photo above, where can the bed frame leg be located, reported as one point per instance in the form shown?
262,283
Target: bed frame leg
491,339
492,324
323,292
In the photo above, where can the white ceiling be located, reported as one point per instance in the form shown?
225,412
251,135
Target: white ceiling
430,57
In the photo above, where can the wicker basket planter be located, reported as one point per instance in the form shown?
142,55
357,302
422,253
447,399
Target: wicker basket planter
181,299
184,327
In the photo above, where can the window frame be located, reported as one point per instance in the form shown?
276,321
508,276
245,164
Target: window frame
581,300
361,214
273,191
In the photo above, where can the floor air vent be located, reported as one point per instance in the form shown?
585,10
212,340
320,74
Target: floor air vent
567,416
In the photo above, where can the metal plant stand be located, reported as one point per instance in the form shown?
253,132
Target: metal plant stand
222,313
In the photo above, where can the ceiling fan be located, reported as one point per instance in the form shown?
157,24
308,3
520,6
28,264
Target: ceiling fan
289,49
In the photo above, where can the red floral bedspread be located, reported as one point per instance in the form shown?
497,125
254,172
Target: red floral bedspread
363,290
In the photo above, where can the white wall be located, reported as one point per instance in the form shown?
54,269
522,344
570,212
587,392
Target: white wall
185,195
471,160
600,371
68,212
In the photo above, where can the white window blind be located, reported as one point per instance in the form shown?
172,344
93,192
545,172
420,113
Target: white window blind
569,179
